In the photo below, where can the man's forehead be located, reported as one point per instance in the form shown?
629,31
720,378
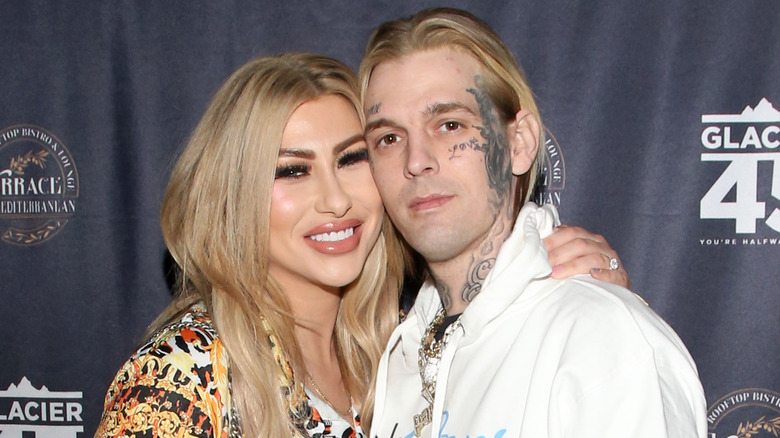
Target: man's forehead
433,76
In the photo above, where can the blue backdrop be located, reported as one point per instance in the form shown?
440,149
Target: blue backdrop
665,125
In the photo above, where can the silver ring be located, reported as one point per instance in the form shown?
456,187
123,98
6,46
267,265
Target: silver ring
614,265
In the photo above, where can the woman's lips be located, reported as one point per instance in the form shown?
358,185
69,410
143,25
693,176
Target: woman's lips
335,238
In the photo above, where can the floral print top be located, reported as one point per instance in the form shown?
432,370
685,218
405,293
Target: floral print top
178,385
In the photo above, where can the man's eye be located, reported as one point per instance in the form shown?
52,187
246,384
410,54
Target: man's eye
387,140
293,172
450,126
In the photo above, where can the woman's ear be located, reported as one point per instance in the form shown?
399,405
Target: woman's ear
523,134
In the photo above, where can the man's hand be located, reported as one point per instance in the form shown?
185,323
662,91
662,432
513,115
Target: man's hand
575,250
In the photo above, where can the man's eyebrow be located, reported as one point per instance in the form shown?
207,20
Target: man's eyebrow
446,107
380,123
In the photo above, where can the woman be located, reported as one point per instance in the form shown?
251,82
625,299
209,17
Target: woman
288,286
270,213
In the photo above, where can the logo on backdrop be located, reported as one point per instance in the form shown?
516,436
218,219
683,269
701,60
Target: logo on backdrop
745,413
39,185
553,177
747,192
26,410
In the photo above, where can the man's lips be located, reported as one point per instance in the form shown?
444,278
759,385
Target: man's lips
422,203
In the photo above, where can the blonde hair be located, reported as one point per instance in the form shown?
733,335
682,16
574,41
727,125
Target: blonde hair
504,81
215,221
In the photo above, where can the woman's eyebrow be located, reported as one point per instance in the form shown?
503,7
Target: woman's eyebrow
347,143
310,154
299,153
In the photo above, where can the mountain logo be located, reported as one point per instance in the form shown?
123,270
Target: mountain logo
25,409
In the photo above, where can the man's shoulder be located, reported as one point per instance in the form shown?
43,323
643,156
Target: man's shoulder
605,317
585,298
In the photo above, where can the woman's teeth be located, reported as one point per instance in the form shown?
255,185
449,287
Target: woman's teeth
333,236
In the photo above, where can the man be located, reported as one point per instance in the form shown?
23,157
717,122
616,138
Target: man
494,346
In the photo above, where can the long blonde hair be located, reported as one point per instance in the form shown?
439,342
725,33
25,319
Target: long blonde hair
215,221
436,28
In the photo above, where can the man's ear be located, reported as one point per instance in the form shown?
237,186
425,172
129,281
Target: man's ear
523,134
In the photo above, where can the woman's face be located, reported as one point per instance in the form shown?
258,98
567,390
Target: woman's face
325,209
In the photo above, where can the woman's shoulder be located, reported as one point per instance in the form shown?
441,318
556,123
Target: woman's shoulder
191,334
177,378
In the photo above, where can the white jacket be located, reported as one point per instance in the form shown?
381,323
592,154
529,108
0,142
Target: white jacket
539,357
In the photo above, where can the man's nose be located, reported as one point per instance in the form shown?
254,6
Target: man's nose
420,156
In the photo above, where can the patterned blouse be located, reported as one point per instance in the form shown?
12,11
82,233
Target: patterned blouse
178,385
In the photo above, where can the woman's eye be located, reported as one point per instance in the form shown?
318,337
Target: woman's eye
294,171
353,157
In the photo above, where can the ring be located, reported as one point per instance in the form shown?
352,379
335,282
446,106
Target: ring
613,264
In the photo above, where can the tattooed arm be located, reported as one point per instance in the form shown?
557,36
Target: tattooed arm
575,250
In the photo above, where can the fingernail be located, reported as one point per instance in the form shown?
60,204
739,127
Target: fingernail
595,270
556,270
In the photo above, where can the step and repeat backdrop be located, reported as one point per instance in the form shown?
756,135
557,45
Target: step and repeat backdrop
664,136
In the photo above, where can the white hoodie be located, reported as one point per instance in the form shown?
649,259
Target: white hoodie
538,357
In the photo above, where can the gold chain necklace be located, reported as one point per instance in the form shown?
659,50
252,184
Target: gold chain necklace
428,359
347,415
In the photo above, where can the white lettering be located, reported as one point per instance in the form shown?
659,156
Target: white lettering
717,411
34,186
74,411
750,139
770,144
742,176
56,411
710,137
714,137
32,411
10,134
727,143
16,411
717,241
28,411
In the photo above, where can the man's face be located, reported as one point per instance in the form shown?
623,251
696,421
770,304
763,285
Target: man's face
439,152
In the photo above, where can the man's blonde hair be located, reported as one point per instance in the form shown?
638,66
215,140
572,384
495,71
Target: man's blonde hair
503,80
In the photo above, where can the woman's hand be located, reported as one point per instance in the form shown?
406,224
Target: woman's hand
575,250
